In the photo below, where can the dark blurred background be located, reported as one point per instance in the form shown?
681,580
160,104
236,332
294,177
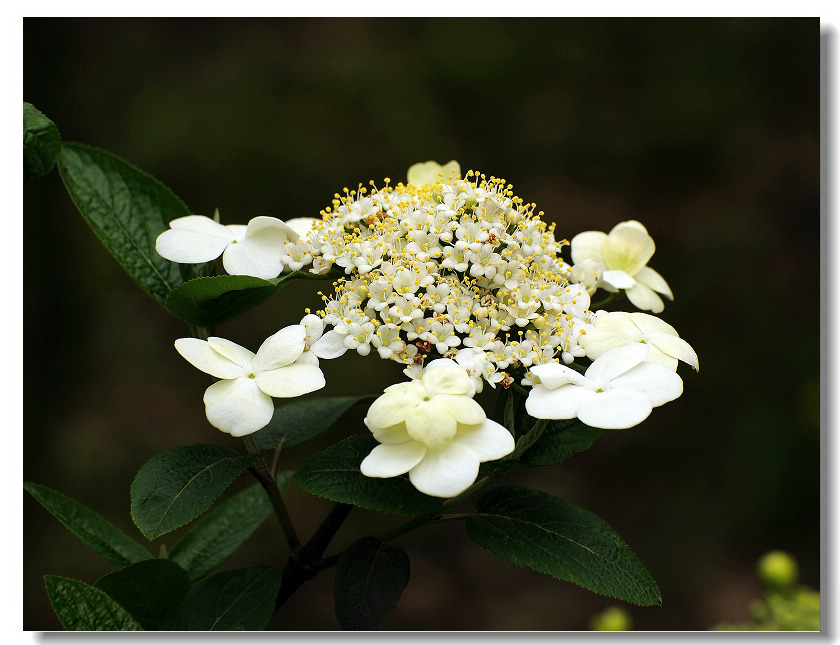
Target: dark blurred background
705,130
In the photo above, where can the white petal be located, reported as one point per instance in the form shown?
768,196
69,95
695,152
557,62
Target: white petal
615,362
618,279
390,460
308,358
237,406
648,325
461,408
193,239
598,341
430,172
615,409
301,225
553,375
314,326
330,345
232,351
489,441
628,247
677,348
562,403
652,279
659,383
391,408
644,297
201,355
391,434
445,376
260,252
445,472
430,424
291,380
281,348
587,246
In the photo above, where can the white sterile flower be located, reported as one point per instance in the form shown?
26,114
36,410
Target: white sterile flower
431,172
619,389
317,344
255,249
432,429
625,253
240,403
616,328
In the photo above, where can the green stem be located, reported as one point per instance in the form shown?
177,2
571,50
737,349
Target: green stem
608,300
263,474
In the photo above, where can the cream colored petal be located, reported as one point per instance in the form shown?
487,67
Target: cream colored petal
391,434
282,348
677,348
445,376
232,351
431,172
653,280
201,355
390,460
489,440
628,247
430,424
446,472
391,408
645,298
237,406
461,408
615,409
290,381
650,326
587,246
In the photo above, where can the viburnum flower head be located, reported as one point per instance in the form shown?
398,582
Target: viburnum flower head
432,429
619,389
240,403
256,249
624,254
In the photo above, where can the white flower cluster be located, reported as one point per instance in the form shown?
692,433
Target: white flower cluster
454,269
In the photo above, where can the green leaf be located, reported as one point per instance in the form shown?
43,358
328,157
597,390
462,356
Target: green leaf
334,473
537,530
559,441
234,599
127,209
303,419
148,590
222,531
211,300
369,579
178,485
41,143
93,529
80,607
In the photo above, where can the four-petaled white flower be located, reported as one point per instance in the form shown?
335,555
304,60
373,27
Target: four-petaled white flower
616,328
624,253
431,172
240,403
432,429
256,249
619,390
